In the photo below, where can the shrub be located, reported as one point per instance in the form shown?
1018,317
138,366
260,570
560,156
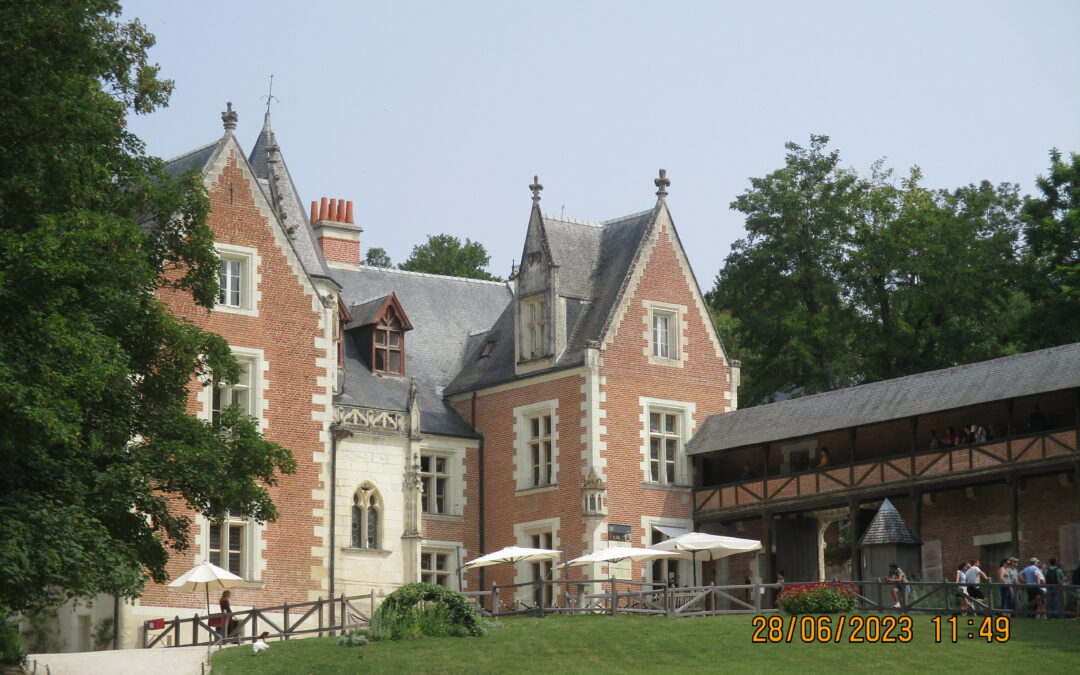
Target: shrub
424,609
354,638
11,643
818,598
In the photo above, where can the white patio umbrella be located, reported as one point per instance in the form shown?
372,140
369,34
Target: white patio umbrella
617,554
204,577
713,546
513,554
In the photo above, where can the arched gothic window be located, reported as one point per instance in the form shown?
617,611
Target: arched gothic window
366,510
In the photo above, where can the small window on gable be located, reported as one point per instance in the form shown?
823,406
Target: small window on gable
237,287
380,326
533,337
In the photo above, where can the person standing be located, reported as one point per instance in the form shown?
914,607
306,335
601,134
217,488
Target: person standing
896,575
228,623
974,576
1032,578
961,590
1008,593
1054,578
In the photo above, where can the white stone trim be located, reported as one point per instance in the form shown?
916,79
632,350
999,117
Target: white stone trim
686,410
250,278
455,453
455,551
525,382
259,371
522,461
593,416
677,325
523,533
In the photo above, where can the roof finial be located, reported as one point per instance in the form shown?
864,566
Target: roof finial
229,117
662,182
270,97
536,187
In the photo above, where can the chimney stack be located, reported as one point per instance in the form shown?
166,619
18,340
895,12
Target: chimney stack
338,234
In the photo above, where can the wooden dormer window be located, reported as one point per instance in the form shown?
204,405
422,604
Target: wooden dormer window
388,347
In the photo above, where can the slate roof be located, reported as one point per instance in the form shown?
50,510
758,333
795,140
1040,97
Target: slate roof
595,261
888,527
304,243
1014,376
195,159
444,312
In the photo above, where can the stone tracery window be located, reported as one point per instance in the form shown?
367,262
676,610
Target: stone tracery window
366,513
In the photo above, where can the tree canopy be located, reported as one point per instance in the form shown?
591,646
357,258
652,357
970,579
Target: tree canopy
844,278
96,447
377,257
445,254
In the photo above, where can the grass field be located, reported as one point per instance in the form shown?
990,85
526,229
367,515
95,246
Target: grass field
580,644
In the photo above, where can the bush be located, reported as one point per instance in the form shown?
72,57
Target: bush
354,638
424,609
819,598
11,644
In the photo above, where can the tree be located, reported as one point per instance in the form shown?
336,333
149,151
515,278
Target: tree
445,254
1051,226
96,449
783,280
377,257
844,279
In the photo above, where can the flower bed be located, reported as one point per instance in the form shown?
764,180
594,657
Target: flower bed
817,598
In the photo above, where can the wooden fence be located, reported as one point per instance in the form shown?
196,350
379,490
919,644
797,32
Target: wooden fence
616,596
329,616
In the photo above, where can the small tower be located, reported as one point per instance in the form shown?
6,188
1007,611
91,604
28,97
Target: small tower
594,497
888,539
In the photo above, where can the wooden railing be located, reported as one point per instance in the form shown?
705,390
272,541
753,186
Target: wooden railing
915,467
284,621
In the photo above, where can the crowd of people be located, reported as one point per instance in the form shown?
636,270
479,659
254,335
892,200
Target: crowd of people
1036,590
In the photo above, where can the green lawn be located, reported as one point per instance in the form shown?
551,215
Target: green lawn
573,644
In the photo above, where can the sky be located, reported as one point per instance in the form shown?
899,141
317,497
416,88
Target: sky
433,117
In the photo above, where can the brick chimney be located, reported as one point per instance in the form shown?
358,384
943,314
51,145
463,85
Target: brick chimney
338,234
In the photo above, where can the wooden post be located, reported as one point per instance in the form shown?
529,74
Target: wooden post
581,597
764,472
321,623
372,614
766,567
914,421
176,630
851,455
494,599
254,623
916,495
853,518
614,598
1008,428
194,631
1014,512
757,597
540,596
285,624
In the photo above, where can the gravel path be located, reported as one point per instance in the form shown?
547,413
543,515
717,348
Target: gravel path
171,661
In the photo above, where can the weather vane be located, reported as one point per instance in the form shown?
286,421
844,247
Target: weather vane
270,95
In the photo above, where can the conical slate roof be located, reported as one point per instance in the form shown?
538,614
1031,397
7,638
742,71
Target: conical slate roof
888,527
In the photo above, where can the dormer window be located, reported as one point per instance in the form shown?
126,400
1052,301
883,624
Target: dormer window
533,327
388,354
380,325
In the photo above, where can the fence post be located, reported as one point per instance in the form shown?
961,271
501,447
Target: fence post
372,615
194,631
540,597
668,609
285,623
614,598
494,599
320,616
581,597
254,623
343,622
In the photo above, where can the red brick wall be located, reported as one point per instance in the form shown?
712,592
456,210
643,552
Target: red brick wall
286,329
340,250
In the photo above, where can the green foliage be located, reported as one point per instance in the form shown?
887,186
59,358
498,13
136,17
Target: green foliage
11,643
844,279
1052,230
103,633
425,609
377,257
354,638
445,254
818,598
91,229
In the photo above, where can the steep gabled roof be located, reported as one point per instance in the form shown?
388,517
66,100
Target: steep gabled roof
972,384
370,311
888,527
444,312
595,260
304,242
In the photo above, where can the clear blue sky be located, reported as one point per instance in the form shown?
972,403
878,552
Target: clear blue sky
434,116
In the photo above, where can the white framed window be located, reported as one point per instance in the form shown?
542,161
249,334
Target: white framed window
435,478
366,518
237,279
240,393
664,333
435,567
534,327
230,545
666,426
536,461
537,534
666,572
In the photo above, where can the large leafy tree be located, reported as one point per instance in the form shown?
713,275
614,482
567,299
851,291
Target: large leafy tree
445,254
1052,230
96,448
846,279
783,281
